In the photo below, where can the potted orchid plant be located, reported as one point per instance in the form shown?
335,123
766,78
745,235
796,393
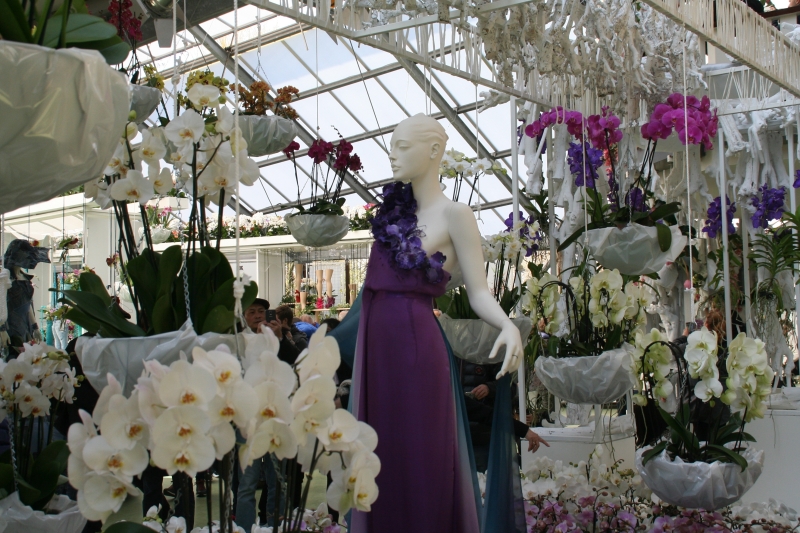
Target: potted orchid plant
33,390
696,463
470,337
266,134
38,70
184,416
323,223
589,322
458,167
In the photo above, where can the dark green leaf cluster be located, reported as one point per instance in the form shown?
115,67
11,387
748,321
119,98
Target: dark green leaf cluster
157,282
71,26
322,207
37,478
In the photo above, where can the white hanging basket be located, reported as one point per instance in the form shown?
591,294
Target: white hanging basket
708,486
62,516
266,134
63,114
473,339
144,101
124,357
318,230
634,249
595,379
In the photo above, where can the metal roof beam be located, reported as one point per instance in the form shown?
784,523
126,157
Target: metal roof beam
226,59
460,126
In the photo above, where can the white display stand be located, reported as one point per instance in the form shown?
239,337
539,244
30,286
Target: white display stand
777,434
574,444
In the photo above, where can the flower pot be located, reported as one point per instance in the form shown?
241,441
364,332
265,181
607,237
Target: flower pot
144,101
595,379
62,516
633,249
124,357
472,340
708,486
318,230
266,134
63,116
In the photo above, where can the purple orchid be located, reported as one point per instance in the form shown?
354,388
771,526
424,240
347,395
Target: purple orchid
577,167
796,183
394,226
769,206
713,225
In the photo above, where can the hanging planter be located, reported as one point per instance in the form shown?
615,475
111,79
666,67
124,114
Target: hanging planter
634,249
593,380
266,135
473,339
318,230
63,111
61,515
699,485
124,357
144,101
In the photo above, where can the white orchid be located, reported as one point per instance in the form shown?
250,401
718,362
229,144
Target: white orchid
180,441
273,436
355,487
273,403
31,401
161,179
103,494
186,129
340,431
203,96
749,377
236,404
133,188
321,357
152,148
224,366
101,457
187,384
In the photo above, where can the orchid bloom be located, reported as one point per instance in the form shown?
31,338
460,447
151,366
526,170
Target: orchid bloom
201,96
133,188
152,148
186,129
161,179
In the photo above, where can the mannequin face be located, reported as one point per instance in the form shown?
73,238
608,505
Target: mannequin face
412,156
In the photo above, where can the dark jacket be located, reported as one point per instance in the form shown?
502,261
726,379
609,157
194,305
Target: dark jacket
291,348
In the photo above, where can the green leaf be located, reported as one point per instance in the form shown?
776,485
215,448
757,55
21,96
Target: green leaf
168,269
6,478
114,49
13,23
50,463
221,270
250,294
689,440
91,282
92,305
143,271
657,449
128,527
664,237
163,318
218,320
82,319
665,210
731,456
81,28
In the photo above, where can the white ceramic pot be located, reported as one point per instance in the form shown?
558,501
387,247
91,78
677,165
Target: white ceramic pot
634,249
318,230
266,134
62,516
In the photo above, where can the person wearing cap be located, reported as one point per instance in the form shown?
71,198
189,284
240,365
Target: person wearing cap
256,314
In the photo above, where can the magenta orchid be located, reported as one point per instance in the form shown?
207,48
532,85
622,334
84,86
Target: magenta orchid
690,117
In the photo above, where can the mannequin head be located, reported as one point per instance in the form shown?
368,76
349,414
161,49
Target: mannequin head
417,147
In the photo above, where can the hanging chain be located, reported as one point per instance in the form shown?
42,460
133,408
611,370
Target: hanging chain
186,280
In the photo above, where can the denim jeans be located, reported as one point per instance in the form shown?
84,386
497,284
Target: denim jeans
246,497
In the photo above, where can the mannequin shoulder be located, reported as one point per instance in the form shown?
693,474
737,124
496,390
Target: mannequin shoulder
460,217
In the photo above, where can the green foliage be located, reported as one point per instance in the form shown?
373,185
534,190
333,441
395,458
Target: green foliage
62,29
775,251
660,216
455,303
128,527
38,483
682,442
322,207
157,280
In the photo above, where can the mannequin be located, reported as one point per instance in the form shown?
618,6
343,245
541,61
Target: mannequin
404,383
449,227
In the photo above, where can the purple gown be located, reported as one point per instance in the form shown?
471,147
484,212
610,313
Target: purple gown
403,389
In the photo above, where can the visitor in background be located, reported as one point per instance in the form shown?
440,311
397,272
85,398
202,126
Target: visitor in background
292,340
306,325
342,314
256,314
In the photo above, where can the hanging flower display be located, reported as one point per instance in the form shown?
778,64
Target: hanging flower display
767,206
713,226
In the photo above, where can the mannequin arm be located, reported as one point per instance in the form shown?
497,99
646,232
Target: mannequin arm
466,239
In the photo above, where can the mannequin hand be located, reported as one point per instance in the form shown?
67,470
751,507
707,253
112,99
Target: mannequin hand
509,337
